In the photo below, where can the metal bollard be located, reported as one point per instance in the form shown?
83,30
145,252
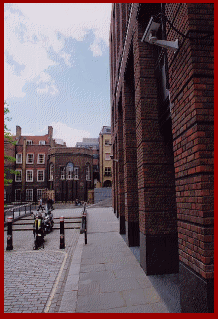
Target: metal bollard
62,241
9,234
85,228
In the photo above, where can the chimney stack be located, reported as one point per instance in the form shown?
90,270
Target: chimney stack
18,132
50,132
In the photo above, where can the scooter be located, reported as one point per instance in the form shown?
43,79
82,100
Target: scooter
48,221
38,231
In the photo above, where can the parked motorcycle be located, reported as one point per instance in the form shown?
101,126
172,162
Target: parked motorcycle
38,231
48,221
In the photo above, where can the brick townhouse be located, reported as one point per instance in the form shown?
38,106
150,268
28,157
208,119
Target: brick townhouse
31,162
162,140
43,162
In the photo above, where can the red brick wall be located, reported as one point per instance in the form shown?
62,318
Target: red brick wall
191,82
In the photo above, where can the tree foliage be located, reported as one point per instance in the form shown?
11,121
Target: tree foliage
8,138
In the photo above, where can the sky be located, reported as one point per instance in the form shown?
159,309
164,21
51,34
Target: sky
56,68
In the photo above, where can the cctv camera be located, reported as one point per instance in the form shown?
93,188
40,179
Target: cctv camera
150,37
151,29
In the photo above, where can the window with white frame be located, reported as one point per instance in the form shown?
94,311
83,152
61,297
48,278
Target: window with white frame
17,195
39,193
29,175
76,173
69,171
30,158
18,175
29,142
51,172
62,172
18,158
107,171
41,142
41,159
40,175
88,173
29,195
107,142
107,156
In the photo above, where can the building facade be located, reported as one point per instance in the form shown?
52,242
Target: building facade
31,153
162,142
43,163
70,173
105,160
92,143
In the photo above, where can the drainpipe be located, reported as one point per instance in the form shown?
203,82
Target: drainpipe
23,187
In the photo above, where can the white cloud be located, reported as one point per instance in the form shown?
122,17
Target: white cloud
71,19
68,134
29,35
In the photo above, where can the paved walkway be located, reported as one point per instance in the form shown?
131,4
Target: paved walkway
34,281
100,277
105,276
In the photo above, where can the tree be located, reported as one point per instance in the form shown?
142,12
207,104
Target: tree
7,138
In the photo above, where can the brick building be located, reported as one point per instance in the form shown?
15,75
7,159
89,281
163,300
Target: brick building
92,143
162,140
31,153
43,162
105,161
70,172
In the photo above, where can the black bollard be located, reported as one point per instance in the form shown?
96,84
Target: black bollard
36,234
85,228
62,241
9,234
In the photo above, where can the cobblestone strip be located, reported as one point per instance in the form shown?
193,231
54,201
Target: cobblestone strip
57,295
28,279
30,276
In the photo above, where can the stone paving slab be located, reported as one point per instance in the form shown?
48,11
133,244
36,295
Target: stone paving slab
100,277
111,279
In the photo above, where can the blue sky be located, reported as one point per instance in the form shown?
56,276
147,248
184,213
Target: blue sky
56,68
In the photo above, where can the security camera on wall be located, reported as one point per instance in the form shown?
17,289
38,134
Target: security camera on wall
150,37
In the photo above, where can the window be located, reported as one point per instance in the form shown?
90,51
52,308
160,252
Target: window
29,175
107,171
30,158
88,173
29,142
107,142
18,176
41,159
76,173
5,195
107,156
41,142
69,171
39,193
62,172
17,195
40,176
29,195
18,158
51,172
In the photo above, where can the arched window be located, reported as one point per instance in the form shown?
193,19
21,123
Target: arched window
88,172
51,172
69,171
